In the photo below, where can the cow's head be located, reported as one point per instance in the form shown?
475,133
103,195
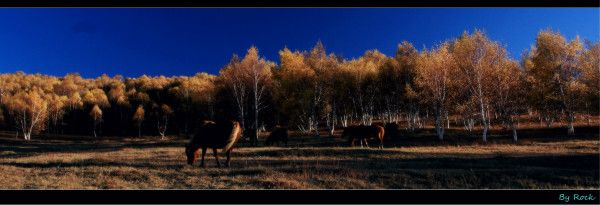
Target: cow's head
192,154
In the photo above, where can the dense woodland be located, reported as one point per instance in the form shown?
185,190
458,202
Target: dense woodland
470,78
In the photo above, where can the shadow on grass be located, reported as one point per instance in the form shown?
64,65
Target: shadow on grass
446,172
459,136
11,147
577,162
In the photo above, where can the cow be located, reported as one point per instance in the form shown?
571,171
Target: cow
221,135
363,133
391,130
277,135
250,135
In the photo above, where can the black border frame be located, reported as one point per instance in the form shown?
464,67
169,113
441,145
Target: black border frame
447,196
294,196
300,3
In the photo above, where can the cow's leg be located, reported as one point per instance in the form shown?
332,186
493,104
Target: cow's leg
228,153
202,159
216,157
366,144
361,143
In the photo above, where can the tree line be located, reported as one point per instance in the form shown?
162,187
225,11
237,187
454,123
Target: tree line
470,77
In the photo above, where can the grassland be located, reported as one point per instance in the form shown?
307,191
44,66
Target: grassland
541,160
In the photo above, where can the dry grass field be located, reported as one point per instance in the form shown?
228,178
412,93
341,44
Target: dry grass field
539,161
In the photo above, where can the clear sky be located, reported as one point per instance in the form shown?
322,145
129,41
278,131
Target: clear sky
181,41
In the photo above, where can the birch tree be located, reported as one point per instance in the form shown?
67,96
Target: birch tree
364,71
590,77
554,70
232,76
508,95
162,122
477,57
257,73
322,64
29,110
96,114
433,79
296,83
56,108
138,118
192,92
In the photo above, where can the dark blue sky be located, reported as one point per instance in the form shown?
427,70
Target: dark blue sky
176,41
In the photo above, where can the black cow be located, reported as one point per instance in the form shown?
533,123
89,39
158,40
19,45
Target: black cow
279,134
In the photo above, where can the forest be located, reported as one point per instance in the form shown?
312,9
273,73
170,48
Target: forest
469,80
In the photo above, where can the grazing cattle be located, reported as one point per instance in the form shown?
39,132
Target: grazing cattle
250,135
363,133
222,135
391,130
279,134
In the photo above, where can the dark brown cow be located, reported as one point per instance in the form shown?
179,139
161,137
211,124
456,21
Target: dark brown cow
279,134
363,133
250,135
392,130
222,135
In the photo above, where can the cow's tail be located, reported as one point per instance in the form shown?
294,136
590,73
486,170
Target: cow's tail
236,133
381,132
381,136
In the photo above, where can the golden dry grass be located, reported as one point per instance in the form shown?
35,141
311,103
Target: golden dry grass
149,163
